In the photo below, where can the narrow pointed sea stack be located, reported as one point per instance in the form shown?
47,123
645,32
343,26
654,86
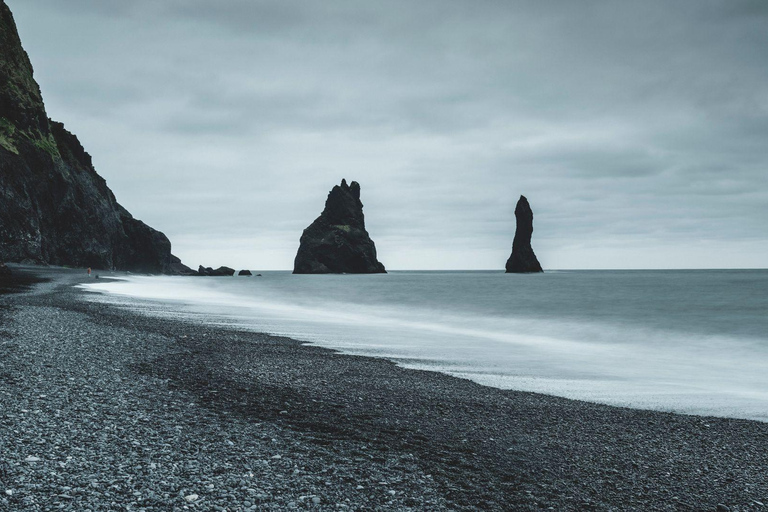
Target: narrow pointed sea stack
523,260
55,208
337,242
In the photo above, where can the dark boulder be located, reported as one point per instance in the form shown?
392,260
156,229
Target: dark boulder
337,242
244,273
523,260
221,271
56,209
177,268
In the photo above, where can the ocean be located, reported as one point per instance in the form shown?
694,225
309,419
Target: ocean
687,341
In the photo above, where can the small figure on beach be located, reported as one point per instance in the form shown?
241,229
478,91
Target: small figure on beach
89,271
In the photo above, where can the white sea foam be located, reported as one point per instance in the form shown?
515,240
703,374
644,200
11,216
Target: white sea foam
623,339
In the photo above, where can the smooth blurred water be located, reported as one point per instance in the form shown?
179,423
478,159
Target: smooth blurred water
691,341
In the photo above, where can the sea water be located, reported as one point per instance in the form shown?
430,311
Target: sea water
692,341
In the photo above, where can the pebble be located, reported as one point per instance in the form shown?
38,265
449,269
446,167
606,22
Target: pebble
206,417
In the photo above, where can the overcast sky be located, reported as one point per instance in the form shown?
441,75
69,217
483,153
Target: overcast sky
638,130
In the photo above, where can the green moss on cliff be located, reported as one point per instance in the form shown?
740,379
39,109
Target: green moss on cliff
20,99
7,131
10,137
48,144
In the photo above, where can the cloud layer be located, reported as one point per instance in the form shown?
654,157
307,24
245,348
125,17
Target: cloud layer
636,129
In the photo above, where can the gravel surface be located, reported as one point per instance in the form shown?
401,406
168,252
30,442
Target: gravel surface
102,409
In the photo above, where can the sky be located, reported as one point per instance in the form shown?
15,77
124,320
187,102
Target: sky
638,131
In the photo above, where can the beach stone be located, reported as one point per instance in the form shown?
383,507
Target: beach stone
723,508
72,351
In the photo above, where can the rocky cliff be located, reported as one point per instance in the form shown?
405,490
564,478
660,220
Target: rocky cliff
523,259
337,242
55,208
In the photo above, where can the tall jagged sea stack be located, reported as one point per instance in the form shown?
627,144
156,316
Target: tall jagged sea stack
523,260
55,208
337,242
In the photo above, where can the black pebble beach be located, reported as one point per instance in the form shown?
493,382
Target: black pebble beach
105,409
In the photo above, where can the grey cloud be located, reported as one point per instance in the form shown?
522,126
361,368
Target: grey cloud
621,121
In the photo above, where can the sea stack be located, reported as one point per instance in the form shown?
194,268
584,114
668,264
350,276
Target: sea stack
523,260
337,242
55,208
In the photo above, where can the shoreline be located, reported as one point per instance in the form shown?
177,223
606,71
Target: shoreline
676,361
340,425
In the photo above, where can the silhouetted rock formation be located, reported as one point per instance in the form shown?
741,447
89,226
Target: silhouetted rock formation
244,273
179,269
523,260
55,207
221,271
337,242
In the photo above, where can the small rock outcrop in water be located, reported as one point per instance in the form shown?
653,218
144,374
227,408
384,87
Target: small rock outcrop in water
55,208
523,260
337,242
178,268
221,271
244,273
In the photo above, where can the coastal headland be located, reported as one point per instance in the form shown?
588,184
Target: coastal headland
102,408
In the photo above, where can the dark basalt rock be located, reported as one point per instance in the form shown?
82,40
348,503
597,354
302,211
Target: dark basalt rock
337,242
179,269
221,271
244,273
56,209
523,260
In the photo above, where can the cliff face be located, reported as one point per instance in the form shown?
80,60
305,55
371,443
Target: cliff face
523,260
337,242
54,207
